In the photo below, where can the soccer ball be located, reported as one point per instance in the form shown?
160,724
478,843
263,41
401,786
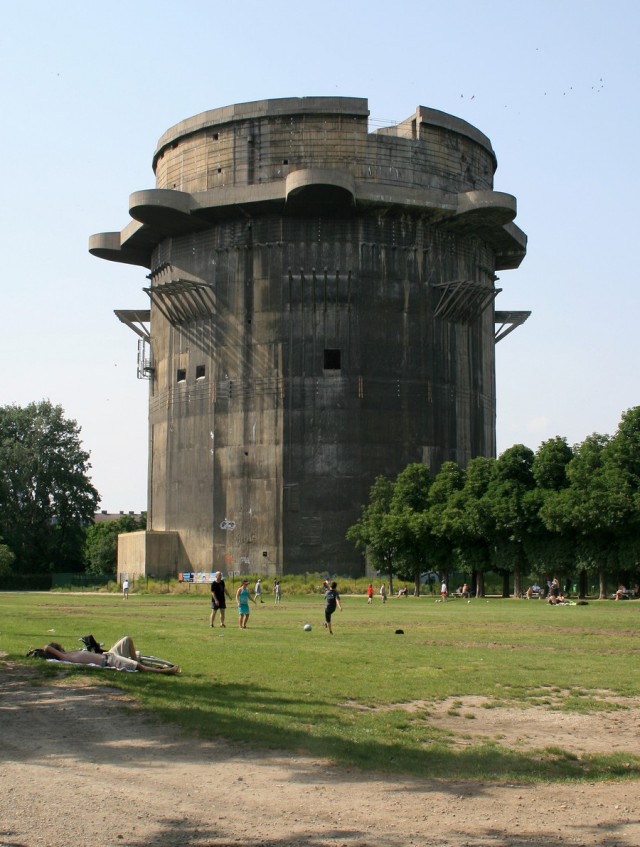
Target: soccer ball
307,627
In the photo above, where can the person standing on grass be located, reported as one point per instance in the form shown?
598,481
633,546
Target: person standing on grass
331,602
443,590
218,601
258,591
242,599
383,593
125,589
370,594
277,591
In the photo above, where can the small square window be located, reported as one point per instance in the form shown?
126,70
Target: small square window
200,372
332,360
181,375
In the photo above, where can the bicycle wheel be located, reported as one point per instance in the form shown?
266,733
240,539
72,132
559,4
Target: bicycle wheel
155,662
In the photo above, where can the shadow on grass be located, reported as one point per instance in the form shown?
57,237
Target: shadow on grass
261,720
257,722
51,716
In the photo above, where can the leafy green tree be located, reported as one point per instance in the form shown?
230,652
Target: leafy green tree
622,467
46,496
549,468
511,510
393,529
467,521
624,450
588,508
101,543
550,550
448,481
6,561
441,516
373,533
415,543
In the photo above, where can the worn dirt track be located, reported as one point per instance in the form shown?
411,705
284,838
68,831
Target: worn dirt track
79,765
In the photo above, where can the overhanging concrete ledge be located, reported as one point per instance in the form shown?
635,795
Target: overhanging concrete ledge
495,207
300,180
166,210
107,245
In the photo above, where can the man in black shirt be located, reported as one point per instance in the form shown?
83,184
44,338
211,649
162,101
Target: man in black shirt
218,601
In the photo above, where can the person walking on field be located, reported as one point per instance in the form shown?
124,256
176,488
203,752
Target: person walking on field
370,594
443,590
331,602
258,591
242,599
218,601
383,593
125,589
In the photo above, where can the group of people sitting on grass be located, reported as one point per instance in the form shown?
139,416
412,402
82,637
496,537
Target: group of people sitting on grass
625,593
554,594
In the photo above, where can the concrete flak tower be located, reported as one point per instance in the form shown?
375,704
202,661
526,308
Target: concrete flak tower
321,312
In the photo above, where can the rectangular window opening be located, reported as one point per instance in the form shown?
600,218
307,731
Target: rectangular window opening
200,372
332,360
181,375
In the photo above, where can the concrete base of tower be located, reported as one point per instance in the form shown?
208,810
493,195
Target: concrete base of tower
151,553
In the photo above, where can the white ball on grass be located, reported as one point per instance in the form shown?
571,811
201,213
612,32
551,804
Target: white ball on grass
307,627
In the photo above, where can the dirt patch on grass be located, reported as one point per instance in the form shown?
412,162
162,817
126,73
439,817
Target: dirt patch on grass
583,723
614,728
80,765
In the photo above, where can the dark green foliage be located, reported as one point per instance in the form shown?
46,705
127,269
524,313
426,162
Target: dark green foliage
46,496
414,541
371,533
101,543
568,512
6,560
550,463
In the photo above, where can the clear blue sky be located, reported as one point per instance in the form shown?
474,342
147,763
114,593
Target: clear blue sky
88,89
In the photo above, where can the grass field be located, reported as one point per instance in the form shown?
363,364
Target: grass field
275,686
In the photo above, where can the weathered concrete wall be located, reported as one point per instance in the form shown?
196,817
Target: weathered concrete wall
271,438
157,554
321,313
264,145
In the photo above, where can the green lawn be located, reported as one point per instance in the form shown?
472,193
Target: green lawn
276,686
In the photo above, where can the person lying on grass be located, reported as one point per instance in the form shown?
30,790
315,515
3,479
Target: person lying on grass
122,656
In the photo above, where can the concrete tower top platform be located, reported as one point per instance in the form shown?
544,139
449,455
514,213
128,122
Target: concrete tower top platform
314,154
357,107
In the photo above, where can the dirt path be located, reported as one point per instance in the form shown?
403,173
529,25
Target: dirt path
80,766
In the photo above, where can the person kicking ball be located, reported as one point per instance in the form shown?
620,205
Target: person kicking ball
331,602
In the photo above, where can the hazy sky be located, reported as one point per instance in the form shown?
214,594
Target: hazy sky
88,89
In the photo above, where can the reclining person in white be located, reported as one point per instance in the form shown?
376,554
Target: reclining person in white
122,656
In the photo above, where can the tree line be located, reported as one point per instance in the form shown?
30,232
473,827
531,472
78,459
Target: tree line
571,512
47,499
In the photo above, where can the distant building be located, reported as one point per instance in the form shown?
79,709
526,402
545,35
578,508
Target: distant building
321,312
107,517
